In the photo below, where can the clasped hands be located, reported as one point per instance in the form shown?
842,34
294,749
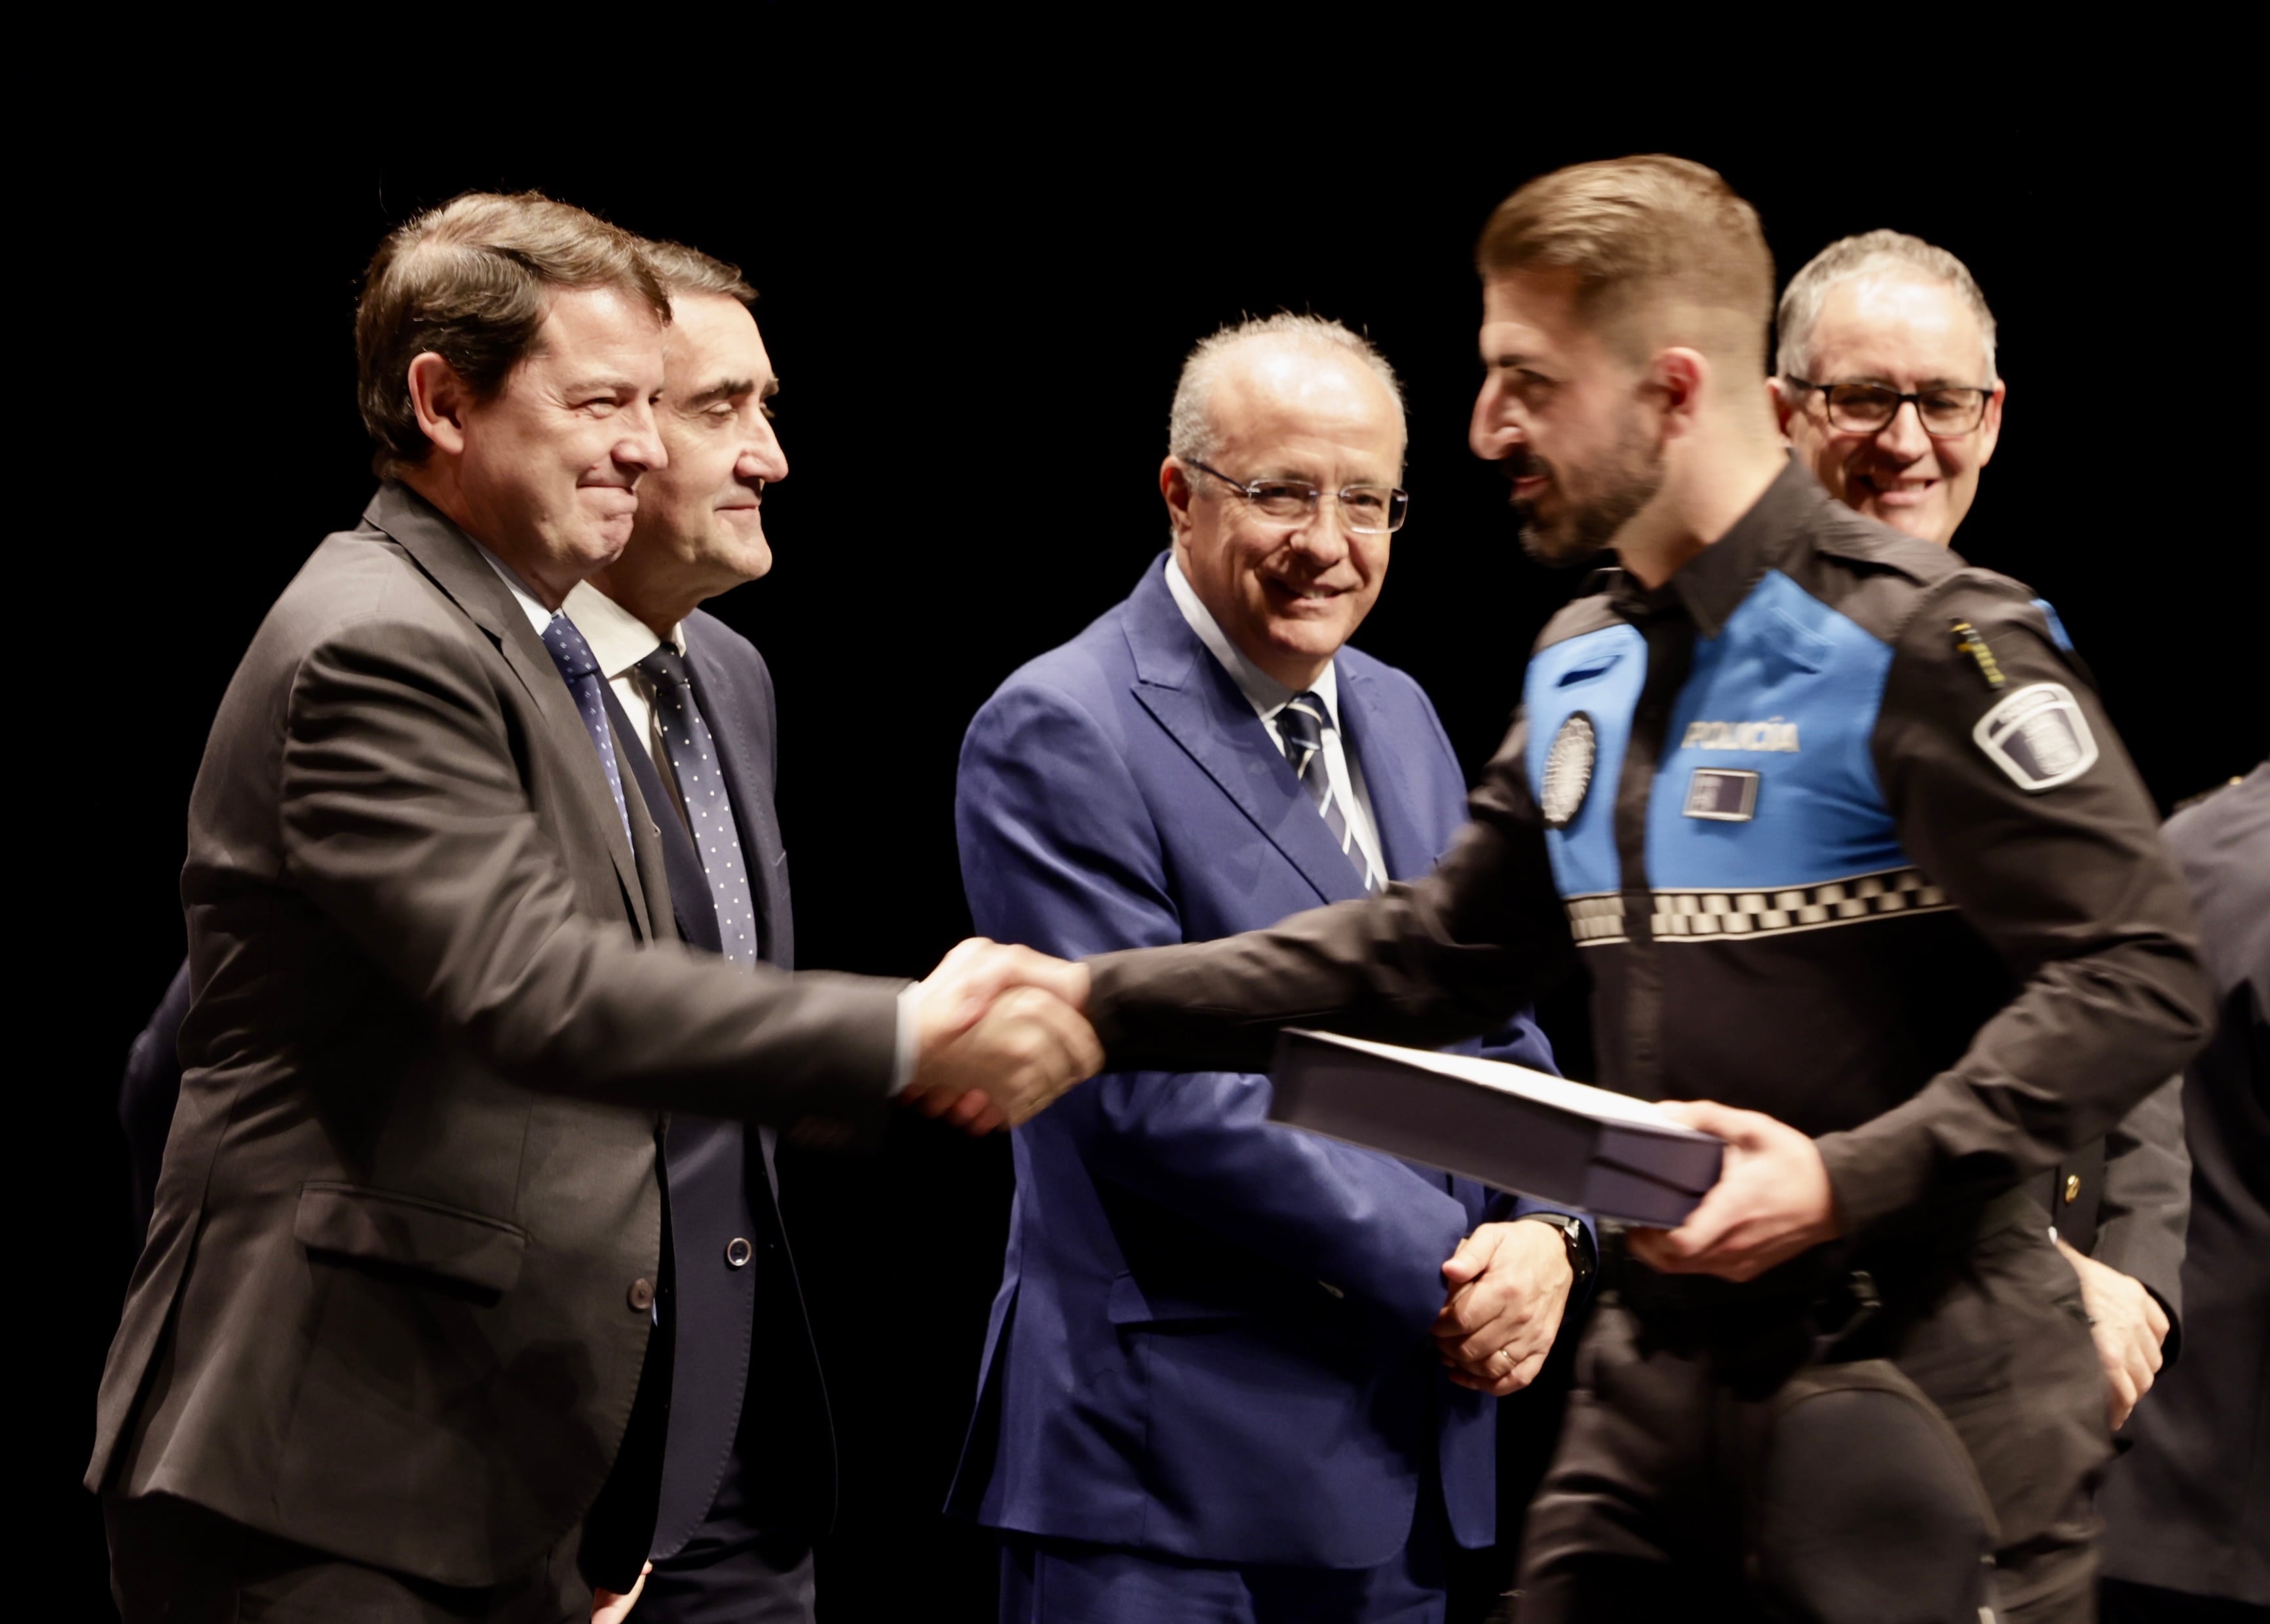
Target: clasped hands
1000,1034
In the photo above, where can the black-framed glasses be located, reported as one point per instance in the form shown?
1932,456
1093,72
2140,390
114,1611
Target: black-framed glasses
1367,509
1869,408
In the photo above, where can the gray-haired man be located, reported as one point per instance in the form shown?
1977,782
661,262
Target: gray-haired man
1886,388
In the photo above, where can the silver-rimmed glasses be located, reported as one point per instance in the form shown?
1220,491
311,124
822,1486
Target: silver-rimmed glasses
1367,509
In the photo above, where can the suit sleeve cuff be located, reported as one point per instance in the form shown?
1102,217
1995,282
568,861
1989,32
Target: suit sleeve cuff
906,1047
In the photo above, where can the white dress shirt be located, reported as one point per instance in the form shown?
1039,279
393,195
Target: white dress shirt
538,616
619,640
1268,696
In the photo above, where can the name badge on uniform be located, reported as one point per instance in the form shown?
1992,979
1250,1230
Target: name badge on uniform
1723,794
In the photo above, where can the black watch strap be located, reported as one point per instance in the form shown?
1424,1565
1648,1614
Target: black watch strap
1580,1263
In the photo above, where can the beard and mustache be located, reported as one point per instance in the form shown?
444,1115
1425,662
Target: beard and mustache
1596,500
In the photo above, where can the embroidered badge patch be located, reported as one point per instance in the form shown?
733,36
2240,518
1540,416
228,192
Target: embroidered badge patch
1723,794
1568,770
2037,737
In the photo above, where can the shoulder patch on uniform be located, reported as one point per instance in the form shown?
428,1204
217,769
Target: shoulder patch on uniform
2038,737
1568,770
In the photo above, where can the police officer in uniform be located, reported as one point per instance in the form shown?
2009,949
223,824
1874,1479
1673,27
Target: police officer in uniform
1887,388
1860,870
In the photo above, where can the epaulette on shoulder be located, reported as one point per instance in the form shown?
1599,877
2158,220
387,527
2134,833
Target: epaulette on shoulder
1862,540
1589,611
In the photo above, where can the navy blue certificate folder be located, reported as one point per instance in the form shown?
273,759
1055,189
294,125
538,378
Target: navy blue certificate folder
1543,1137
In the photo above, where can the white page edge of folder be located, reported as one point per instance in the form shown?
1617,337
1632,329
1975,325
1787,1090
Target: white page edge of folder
1582,1099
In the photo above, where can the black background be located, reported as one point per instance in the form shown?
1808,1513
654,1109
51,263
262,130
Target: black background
977,302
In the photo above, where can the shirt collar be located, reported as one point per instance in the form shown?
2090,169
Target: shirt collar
1711,585
619,639
538,616
1263,692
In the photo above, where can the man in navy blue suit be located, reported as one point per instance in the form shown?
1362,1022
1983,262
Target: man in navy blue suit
747,1475
1221,1381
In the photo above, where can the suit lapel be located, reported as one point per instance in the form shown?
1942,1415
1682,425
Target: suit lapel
455,565
1187,691
747,756
1380,753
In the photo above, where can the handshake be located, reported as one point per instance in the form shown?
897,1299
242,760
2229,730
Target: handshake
1000,1033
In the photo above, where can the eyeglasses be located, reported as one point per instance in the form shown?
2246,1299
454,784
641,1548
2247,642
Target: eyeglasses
1367,509
1869,408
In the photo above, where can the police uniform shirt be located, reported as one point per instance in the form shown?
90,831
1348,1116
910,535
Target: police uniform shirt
1840,828
1844,837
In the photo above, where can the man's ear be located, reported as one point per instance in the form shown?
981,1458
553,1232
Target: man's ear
439,397
1990,431
1785,403
1679,376
1174,486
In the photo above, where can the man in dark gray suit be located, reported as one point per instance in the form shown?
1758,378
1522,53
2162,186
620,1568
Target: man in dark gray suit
382,1354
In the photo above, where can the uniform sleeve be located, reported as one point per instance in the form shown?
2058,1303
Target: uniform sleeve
1424,963
2012,794
2145,1208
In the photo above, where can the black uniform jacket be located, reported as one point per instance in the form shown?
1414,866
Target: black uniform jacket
1915,905
398,1285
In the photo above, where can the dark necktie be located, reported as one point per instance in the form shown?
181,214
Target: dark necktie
580,671
1303,724
708,813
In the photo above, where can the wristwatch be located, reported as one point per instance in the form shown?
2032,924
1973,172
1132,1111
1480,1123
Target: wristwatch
1581,1261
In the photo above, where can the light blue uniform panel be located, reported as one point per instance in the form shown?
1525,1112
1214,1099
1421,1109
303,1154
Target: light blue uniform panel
1599,673
2058,634
1789,690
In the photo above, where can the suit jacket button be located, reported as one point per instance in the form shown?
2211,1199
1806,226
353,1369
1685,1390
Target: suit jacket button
2072,1186
642,1295
738,1251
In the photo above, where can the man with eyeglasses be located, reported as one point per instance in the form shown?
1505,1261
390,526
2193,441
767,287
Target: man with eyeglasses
1222,1381
1887,388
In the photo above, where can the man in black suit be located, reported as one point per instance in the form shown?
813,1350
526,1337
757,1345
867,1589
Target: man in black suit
391,1348
748,1474
2187,1509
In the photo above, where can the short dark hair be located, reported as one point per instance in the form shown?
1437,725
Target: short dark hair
689,272
470,281
1641,235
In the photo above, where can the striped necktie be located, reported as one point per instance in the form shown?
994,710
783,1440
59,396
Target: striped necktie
1302,724
579,669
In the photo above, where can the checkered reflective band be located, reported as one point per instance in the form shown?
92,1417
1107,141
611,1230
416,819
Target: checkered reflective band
1715,915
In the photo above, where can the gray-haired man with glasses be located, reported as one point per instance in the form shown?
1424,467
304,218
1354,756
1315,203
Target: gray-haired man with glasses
1887,385
1886,388
1237,1373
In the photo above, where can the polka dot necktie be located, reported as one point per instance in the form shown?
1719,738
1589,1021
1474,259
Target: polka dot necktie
1302,724
708,813
580,670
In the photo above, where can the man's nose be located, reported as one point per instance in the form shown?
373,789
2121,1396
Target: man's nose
1323,535
1903,436
1491,433
641,447
762,457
